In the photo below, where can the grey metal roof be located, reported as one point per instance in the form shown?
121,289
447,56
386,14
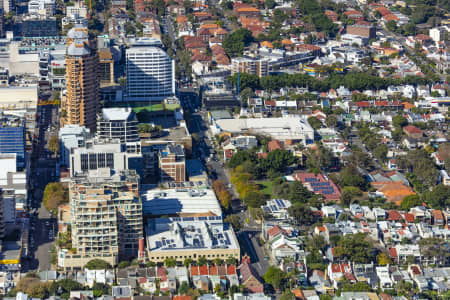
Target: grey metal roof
78,51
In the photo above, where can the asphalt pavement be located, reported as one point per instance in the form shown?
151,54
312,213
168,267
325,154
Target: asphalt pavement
43,170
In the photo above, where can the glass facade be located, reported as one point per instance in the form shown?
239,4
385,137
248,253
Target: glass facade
93,161
12,140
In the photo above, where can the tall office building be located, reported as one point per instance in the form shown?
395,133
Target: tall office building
80,103
12,139
106,217
2,216
118,123
150,72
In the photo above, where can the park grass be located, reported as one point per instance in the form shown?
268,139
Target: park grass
155,107
266,187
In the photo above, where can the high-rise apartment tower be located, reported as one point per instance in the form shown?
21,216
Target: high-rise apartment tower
80,104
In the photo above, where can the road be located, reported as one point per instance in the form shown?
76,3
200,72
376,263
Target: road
43,171
249,246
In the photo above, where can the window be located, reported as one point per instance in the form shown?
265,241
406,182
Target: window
92,161
84,161
110,160
101,160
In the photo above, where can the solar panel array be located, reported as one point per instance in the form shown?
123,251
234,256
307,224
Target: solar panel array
325,188
280,203
311,179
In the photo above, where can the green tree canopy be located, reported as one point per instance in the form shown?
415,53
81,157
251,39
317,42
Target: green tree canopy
97,264
274,276
315,123
170,262
399,121
235,42
420,163
355,247
439,197
409,202
55,194
301,213
349,193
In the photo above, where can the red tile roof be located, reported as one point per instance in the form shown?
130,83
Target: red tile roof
381,103
275,145
275,230
390,17
231,270
415,270
394,215
185,297
412,129
409,217
247,273
194,271
213,270
422,37
203,270
336,268
383,11
363,104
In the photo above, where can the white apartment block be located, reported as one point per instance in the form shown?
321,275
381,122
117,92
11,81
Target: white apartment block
150,72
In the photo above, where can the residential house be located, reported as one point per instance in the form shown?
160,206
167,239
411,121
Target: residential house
384,278
320,282
413,132
338,272
249,278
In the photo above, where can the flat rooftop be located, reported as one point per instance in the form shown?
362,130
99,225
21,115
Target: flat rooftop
190,233
158,202
168,135
290,127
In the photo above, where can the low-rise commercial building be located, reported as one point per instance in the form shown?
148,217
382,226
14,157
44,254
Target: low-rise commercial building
180,202
70,137
172,163
190,237
288,129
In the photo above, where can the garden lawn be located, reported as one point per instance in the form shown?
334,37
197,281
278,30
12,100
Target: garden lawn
266,187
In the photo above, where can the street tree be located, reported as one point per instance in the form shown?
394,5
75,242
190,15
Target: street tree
55,194
274,276
53,144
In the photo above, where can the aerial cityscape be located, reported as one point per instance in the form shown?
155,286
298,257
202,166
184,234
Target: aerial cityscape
225,149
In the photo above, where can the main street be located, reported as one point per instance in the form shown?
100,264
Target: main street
43,170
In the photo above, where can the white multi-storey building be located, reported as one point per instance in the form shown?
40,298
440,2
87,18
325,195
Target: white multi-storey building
118,123
70,137
98,154
42,7
150,72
